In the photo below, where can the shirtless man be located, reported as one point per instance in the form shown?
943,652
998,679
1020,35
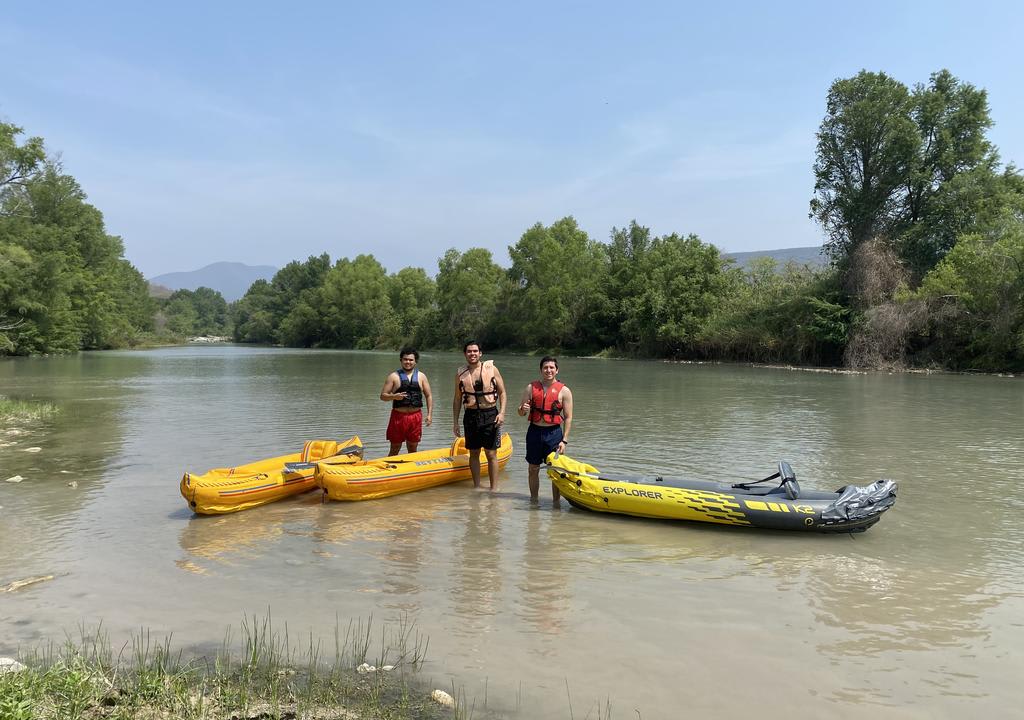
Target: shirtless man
549,404
407,388
479,386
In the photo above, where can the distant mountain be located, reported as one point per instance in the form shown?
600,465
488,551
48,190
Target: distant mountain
231,279
802,256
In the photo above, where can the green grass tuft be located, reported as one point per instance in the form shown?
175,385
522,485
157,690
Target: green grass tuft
265,675
25,411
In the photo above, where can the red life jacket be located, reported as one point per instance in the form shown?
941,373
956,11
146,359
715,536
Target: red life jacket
545,407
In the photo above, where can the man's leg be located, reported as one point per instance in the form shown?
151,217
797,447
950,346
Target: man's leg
534,482
411,446
395,448
492,466
474,466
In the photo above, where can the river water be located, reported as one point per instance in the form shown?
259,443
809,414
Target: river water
548,612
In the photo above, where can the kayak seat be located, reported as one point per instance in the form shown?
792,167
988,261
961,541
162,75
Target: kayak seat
459,447
315,450
789,484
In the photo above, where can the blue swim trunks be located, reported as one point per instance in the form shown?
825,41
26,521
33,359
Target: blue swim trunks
541,440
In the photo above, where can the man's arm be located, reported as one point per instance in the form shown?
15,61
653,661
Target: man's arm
428,396
566,418
524,401
502,397
387,393
457,405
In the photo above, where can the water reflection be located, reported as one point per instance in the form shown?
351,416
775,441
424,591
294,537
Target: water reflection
544,597
477,572
79,452
228,539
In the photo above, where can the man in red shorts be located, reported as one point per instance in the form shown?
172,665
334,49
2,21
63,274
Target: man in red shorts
407,388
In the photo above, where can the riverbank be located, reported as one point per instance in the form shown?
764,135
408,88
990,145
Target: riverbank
264,678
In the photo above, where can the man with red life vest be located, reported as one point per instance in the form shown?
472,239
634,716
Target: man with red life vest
549,404
407,388
480,388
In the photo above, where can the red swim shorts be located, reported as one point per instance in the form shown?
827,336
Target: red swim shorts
405,427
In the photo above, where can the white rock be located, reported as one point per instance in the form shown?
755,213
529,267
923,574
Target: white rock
388,668
10,665
365,668
32,449
15,478
73,484
442,698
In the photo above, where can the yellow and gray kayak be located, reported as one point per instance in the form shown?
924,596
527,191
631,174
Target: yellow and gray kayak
781,506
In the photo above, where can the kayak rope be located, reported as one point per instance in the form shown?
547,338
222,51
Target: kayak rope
746,486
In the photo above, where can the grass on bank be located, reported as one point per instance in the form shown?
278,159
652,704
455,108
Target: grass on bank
25,411
267,674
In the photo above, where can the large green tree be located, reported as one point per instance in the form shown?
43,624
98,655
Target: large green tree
468,291
951,178
866,151
412,293
65,283
560,274
678,284
356,308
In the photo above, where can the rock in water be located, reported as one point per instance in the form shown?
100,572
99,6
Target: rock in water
18,584
16,478
442,698
10,665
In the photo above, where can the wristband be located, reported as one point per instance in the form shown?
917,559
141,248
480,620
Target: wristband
565,442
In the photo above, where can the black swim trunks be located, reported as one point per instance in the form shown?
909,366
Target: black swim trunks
481,428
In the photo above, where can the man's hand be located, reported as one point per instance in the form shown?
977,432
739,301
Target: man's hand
455,429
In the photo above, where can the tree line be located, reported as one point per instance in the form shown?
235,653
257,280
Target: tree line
924,228
64,282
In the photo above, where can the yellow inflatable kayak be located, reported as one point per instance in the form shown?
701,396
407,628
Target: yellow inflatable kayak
372,479
226,490
784,506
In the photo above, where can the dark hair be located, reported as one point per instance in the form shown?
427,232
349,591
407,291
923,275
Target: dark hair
547,359
409,350
472,342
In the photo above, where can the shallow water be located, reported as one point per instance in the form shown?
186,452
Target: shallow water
548,611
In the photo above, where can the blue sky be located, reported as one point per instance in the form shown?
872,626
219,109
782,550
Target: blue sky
231,131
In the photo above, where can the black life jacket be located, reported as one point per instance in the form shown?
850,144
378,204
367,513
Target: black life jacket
410,386
479,390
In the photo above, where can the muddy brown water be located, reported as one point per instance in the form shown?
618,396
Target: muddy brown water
550,612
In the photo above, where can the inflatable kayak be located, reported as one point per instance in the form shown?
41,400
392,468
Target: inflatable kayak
226,490
782,506
372,479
